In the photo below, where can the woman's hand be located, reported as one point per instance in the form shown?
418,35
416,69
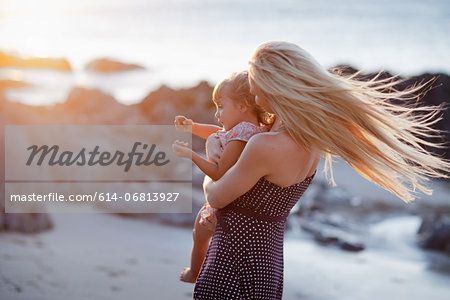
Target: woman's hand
213,148
183,124
181,149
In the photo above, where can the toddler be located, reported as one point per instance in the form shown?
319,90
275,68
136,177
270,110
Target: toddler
241,118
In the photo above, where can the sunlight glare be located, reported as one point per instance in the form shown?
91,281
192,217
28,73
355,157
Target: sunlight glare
41,7
16,75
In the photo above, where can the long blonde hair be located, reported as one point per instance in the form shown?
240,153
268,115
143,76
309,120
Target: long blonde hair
349,118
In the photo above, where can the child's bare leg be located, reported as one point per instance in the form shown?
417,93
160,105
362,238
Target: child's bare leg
201,236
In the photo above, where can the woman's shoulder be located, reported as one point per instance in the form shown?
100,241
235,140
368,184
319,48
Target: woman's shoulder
273,137
276,144
285,162
269,141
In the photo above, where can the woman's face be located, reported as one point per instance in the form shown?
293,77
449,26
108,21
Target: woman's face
259,99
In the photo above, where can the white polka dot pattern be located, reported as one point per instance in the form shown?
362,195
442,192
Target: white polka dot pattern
245,257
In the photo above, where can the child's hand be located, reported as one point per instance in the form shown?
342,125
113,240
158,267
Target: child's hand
183,124
181,149
211,223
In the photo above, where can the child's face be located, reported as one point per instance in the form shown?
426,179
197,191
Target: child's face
227,112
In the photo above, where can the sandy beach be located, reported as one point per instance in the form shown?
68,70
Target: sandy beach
104,256
95,256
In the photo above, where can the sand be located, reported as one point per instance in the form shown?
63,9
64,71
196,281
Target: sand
104,256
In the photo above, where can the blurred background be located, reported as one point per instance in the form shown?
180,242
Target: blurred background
181,42
135,62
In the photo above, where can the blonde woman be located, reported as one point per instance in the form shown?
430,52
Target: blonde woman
317,113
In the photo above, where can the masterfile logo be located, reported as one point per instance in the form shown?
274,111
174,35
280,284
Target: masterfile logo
120,168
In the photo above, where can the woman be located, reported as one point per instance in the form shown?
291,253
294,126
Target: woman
317,113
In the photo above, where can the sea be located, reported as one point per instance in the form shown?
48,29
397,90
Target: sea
182,42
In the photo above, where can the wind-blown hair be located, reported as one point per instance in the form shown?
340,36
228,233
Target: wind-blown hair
349,118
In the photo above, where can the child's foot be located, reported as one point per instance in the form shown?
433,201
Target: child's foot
187,276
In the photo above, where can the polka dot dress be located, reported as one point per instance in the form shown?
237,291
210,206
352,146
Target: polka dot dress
245,256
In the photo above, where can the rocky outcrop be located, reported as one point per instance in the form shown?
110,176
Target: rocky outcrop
106,65
27,223
8,60
162,105
334,217
434,233
82,106
329,232
11,84
92,106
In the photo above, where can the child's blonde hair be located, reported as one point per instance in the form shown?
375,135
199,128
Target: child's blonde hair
238,89
349,118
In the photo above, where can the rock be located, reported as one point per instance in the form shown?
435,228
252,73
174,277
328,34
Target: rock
12,84
109,65
161,107
334,230
93,106
353,247
339,204
434,233
321,196
83,100
7,60
22,222
336,196
27,222
165,103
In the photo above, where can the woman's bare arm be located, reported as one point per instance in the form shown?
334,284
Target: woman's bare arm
253,164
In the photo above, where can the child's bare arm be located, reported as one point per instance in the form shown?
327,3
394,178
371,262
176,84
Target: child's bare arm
202,130
181,149
229,157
